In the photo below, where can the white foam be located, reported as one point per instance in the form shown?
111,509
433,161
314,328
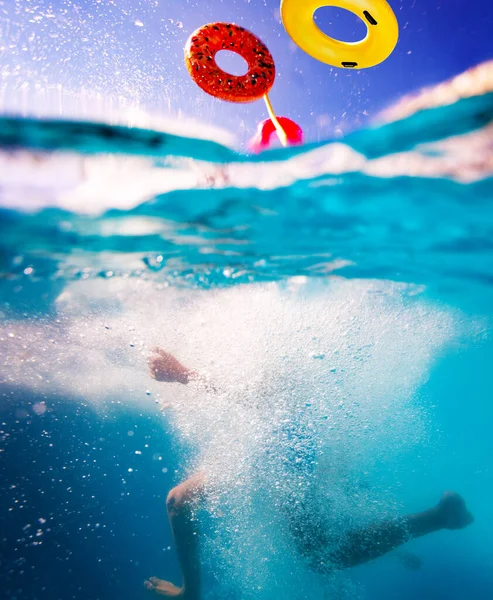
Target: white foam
258,344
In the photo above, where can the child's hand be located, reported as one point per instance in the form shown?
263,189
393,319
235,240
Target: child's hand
164,367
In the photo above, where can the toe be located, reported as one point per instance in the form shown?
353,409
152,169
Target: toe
151,583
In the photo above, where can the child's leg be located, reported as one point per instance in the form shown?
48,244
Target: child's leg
185,532
325,554
358,547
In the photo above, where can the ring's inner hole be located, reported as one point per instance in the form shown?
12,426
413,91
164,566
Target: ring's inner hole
231,62
340,24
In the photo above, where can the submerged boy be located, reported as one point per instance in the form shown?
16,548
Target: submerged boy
316,544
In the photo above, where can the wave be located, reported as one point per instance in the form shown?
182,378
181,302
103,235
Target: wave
406,200
428,125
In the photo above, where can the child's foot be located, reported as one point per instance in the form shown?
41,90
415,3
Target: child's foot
164,588
452,511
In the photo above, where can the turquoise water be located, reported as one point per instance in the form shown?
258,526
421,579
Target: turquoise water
343,288
386,201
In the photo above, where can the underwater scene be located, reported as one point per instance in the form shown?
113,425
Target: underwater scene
243,361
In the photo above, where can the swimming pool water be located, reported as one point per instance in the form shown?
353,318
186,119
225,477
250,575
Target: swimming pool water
344,287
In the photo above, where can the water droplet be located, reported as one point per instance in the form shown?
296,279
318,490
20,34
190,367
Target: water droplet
155,263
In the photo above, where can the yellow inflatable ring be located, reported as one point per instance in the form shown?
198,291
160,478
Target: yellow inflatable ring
382,36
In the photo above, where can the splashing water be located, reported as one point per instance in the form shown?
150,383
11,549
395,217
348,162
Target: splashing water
287,423
314,390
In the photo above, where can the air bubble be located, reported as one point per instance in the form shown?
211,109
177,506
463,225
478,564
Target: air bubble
39,408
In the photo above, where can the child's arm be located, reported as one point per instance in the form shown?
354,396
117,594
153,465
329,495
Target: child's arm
163,366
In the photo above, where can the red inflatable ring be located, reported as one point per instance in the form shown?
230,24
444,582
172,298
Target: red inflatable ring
262,138
201,49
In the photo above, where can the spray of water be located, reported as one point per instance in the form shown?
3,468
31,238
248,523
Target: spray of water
313,390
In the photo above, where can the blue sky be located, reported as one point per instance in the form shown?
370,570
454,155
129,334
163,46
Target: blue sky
134,50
